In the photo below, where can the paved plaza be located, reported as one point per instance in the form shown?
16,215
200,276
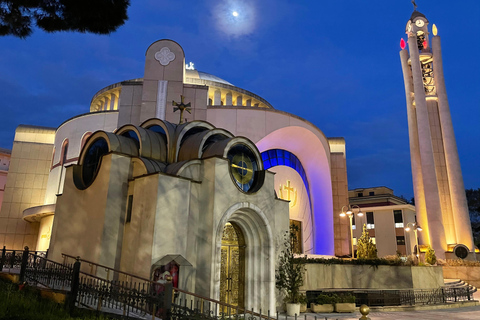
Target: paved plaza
465,313
468,313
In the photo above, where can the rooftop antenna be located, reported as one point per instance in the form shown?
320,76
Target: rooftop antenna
414,5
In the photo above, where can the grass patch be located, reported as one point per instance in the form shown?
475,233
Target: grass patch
27,304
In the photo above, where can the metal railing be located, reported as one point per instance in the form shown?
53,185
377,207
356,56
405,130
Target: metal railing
137,295
404,297
11,260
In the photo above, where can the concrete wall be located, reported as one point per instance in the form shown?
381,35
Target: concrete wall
467,274
321,276
4,163
89,223
26,185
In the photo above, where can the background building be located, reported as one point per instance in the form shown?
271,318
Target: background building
386,217
4,163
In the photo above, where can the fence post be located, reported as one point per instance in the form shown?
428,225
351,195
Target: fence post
12,259
74,286
4,254
23,266
167,299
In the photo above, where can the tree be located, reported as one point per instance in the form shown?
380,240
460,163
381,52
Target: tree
366,249
289,276
473,201
18,17
430,256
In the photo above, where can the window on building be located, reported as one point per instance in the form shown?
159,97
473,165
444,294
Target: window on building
398,216
129,208
296,229
360,194
371,193
400,240
63,156
354,226
370,220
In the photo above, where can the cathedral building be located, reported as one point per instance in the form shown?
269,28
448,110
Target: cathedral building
179,170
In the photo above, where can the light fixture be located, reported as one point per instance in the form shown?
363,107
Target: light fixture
350,213
434,30
416,228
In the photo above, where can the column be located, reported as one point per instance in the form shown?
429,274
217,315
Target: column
419,192
432,198
461,216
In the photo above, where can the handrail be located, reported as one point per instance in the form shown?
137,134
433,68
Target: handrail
108,268
222,304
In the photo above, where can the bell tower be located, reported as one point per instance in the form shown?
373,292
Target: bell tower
440,199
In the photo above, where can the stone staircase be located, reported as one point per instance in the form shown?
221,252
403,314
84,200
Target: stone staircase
458,283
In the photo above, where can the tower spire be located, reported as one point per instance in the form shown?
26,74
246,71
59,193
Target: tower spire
414,5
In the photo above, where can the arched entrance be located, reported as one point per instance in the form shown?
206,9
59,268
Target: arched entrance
232,269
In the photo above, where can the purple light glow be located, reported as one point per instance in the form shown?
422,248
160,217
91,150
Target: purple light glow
309,147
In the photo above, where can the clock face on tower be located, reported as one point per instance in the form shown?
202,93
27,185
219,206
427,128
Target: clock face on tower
243,167
419,23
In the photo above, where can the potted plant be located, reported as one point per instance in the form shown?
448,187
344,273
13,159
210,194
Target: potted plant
324,303
289,275
345,303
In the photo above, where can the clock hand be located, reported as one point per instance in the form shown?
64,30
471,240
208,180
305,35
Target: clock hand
235,166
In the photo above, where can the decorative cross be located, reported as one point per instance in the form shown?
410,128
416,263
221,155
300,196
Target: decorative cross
289,190
182,107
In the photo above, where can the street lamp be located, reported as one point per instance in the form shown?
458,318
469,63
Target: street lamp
415,227
348,211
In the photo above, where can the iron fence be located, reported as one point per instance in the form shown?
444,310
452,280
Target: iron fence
135,296
410,297
12,259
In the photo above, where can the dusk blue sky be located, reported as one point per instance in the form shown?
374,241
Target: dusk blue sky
334,63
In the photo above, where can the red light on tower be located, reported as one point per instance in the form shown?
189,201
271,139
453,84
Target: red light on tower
425,44
402,44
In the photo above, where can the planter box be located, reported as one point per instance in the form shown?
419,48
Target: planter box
293,309
345,307
303,307
321,308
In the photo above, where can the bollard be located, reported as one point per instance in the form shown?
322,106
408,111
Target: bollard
364,310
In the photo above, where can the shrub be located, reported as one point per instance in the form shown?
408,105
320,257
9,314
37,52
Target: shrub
346,298
326,299
430,256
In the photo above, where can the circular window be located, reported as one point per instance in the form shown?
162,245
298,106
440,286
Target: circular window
243,167
91,160
461,251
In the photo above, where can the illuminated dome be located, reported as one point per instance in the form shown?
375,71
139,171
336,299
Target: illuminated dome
195,74
220,93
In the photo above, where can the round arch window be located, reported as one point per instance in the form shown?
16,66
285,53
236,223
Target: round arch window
92,159
244,168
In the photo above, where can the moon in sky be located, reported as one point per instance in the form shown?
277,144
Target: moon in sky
235,18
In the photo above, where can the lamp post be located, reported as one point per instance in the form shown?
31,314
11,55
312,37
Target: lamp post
415,227
348,211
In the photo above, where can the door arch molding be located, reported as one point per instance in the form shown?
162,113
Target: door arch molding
259,255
